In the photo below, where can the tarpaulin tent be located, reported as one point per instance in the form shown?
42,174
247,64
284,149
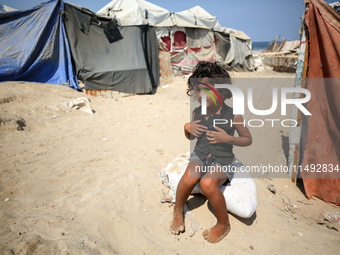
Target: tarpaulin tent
34,46
315,143
189,36
112,57
5,8
137,12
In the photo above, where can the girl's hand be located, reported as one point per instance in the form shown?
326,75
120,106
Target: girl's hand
218,136
195,129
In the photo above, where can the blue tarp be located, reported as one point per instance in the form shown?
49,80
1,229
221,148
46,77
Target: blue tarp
34,46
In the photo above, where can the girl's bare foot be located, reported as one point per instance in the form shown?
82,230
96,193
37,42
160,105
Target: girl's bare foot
177,224
216,233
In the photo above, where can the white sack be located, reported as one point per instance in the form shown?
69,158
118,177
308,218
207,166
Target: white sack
240,194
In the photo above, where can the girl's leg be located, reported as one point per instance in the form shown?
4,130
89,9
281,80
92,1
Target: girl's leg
184,188
210,184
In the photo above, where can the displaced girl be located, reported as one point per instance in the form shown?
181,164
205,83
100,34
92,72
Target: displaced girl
213,150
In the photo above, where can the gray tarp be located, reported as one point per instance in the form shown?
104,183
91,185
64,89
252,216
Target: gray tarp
109,57
222,45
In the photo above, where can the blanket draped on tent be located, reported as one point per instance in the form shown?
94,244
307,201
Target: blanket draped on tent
34,46
322,142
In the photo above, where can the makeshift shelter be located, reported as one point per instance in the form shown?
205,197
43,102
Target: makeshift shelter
189,36
34,46
315,142
112,57
336,6
137,12
5,8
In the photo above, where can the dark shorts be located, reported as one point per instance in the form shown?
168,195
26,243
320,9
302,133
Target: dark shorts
227,169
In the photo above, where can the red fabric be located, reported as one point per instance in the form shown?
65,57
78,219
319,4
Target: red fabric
195,50
180,39
167,41
323,135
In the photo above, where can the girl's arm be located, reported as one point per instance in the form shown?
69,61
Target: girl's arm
194,128
220,136
187,131
244,138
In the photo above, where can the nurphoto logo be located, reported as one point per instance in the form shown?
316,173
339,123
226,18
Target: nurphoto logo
239,101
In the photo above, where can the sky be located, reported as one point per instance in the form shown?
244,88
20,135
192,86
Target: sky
261,20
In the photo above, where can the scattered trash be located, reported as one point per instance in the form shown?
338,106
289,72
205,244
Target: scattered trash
166,200
194,225
330,219
52,117
300,234
157,116
333,217
52,107
288,206
321,222
272,188
80,103
12,121
303,202
332,226
7,199
251,247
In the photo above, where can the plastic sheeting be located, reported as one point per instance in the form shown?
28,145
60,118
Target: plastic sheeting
240,54
137,12
193,22
200,38
200,46
34,47
109,57
196,17
183,61
140,12
222,45
5,8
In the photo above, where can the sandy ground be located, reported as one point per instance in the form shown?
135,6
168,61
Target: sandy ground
79,183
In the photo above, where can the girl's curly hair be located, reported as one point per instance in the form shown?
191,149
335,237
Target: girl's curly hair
212,70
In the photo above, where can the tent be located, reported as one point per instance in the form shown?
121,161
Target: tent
54,42
34,46
189,36
315,142
336,6
5,8
137,12
112,57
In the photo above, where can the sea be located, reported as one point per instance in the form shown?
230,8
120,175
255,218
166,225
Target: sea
258,47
